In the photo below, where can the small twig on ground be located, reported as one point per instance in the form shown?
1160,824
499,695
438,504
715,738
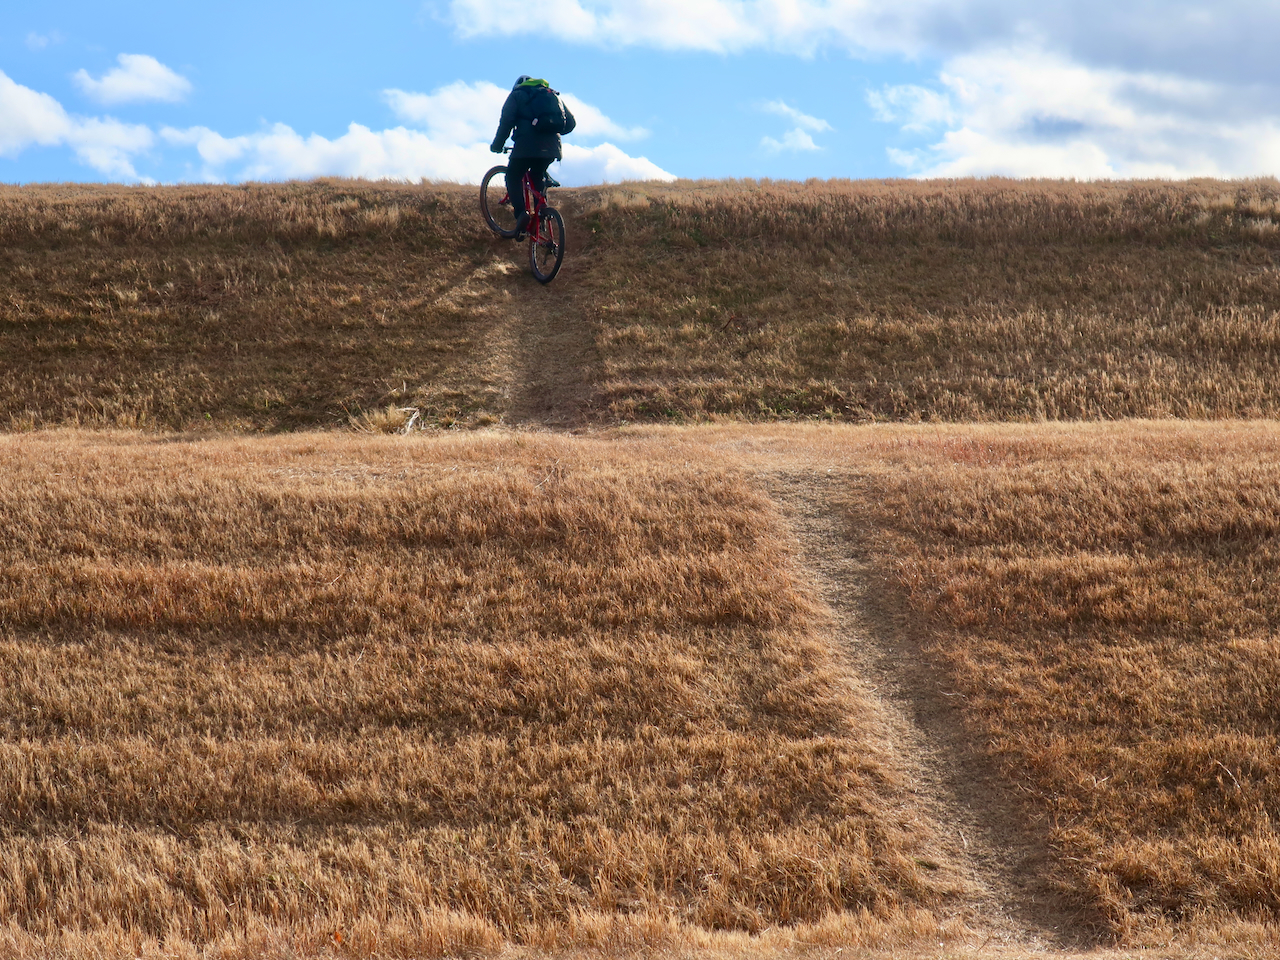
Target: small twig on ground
1229,774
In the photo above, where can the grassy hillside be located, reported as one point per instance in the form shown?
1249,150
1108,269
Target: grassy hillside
435,693
743,688
236,308
1105,609
963,300
269,307
417,696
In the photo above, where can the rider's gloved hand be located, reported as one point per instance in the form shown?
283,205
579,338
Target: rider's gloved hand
495,147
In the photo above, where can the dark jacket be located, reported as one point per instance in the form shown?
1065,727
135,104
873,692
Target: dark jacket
530,142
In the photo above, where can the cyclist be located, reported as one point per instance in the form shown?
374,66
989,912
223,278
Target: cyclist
534,148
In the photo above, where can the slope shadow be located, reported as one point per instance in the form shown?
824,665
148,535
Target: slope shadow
556,368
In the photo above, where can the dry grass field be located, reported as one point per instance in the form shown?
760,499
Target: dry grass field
266,307
427,694
1106,610
275,307
726,685
953,301
332,694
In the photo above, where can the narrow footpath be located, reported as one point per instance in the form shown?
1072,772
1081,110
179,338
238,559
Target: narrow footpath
999,859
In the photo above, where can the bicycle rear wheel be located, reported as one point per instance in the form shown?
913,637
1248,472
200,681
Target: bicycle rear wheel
546,248
495,205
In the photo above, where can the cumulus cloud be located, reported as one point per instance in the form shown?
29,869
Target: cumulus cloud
1181,87
29,118
605,164
1030,113
137,78
457,113
468,112
399,154
109,146
800,138
715,25
1230,39
802,120
793,141
594,125
913,107
281,153
445,136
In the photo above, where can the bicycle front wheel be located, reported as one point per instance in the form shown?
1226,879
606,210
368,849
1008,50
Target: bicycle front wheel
495,205
546,247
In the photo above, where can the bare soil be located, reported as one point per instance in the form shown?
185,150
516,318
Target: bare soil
553,365
998,853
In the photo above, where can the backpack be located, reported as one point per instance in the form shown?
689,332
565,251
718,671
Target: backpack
547,111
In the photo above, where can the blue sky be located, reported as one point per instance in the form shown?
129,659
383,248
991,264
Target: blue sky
149,91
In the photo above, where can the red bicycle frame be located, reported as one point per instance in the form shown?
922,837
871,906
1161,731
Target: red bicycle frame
534,201
546,231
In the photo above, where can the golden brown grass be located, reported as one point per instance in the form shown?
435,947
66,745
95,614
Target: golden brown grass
419,697
383,696
269,307
262,307
957,300
1104,607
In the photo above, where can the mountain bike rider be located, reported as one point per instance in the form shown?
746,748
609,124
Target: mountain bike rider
534,149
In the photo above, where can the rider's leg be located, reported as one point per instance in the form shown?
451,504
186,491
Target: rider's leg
539,170
515,190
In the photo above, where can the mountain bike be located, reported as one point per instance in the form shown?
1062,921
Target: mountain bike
546,226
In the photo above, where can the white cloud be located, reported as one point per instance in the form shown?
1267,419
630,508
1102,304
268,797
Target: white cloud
281,153
458,113
802,120
1181,86
800,138
400,154
109,146
214,149
593,124
139,77
456,124
39,41
794,141
29,118
468,113
605,164
459,122
716,25
915,108
1027,112
1230,39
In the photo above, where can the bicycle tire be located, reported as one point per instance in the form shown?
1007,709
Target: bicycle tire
500,217
545,256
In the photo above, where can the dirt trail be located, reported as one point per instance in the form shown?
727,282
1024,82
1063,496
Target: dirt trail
550,371
557,370
552,366
984,838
